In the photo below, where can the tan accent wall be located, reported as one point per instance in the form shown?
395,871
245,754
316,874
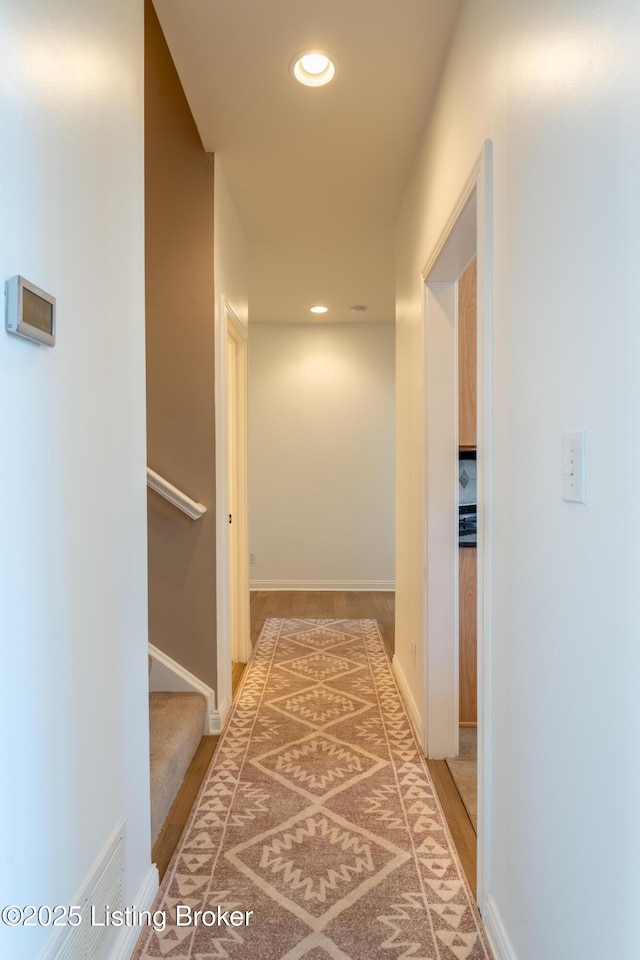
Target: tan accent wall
180,364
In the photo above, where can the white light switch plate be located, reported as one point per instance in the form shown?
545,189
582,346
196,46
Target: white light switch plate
574,467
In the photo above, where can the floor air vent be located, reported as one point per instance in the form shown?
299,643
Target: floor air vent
107,896
103,894
74,941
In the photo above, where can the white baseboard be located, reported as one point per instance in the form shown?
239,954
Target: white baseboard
407,696
167,674
500,943
124,948
221,714
351,585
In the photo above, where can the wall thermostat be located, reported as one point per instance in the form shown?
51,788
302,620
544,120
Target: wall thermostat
30,312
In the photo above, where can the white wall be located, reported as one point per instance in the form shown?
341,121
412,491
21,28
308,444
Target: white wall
321,455
556,85
73,621
230,251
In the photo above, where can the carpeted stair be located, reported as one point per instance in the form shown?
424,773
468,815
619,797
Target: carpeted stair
176,722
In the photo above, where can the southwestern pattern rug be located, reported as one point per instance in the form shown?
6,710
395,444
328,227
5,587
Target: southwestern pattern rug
316,834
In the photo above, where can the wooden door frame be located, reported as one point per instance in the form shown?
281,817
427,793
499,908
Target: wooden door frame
230,324
469,232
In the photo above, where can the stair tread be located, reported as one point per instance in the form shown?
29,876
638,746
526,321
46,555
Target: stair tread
176,722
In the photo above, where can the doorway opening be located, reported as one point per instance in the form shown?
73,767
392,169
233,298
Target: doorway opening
468,235
237,489
232,546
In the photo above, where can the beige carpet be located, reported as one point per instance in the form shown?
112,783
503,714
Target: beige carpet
317,814
176,722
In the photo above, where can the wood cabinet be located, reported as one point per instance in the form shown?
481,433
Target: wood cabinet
467,353
468,646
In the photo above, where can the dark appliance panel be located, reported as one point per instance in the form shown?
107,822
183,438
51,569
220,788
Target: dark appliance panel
467,498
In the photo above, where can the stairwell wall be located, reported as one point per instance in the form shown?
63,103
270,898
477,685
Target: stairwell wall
179,188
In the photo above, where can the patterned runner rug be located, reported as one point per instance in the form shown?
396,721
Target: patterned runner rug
316,833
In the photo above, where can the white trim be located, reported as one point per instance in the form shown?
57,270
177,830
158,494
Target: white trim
124,948
234,321
217,719
440,710
407,697
500,943
239,335
227,320
223,639
167,674
485,524
220,717
351,585
173,495
444,258
469,229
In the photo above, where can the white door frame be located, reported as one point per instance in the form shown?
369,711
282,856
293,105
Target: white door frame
230,324
238,333
469,232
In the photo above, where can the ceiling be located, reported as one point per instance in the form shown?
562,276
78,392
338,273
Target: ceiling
316,174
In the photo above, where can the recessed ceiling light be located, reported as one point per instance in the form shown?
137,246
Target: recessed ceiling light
313,68
359,308
319,309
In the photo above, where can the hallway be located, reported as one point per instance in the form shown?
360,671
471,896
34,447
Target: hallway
380,606
325,604
375,605
317,812
549,91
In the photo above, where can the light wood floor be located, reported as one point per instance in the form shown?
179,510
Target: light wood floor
173,826
325,604
373,605
457,818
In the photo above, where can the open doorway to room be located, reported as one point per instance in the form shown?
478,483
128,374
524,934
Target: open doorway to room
463,768
457,648
458,775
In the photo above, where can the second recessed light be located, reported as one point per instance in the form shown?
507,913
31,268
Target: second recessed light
319,309
313,68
